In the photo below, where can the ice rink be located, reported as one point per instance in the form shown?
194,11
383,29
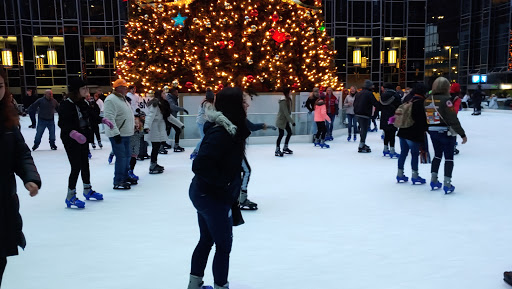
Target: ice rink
328,218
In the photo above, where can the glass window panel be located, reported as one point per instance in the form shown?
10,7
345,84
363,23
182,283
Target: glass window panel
96,10
47,9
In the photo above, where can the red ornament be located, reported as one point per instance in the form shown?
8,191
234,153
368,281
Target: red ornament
322,88
279,37
222,44
220,87
272,31
303,25
275,17
119,71
295,86
250,78
231,43
288,36
130,62
325,47
254,13
189,85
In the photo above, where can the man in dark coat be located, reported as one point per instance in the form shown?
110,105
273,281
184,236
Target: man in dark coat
477,97
28,100
363,106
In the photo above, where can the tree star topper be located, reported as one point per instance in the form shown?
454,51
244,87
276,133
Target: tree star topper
178,20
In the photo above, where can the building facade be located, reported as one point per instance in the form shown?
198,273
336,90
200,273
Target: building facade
486,45
44,43
383,41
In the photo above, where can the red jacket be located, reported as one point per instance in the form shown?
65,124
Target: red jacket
331,104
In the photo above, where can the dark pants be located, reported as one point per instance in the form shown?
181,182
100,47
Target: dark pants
281,134
143,149
363,128
96,131
477,105
443,145
33,118
405,146
123,154
155,147
176,129
352,123
330,126
79,161
42,124
321,130
246,172
3,263
389,137
215,226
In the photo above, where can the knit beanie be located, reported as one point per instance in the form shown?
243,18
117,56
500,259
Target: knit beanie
368,84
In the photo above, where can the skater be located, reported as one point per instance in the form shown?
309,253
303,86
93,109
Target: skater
119,112
245,203
201,119
75,118
95,120
29,98
143,150
310,106
455,98
363,106
321,118
215,189
154,127
135,140
389,102
411,138
349,110
46,118
332,107
477,98
443,127
284,118
172,98
15,159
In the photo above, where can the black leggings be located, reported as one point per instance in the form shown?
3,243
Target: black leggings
3,263
133,161
155,147
281,134
96,131
176,129
389,137
363,128
321,130
79,160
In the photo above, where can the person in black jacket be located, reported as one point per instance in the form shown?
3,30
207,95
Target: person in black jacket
15,159
95,120
363,106
75,118
390,100
477,97
28,99
412,137
215,188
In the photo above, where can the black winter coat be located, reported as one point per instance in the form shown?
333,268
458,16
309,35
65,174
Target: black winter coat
416,132
69,120
95,113
14,159
390,100
218,165
364,102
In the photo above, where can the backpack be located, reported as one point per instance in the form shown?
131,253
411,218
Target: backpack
403,115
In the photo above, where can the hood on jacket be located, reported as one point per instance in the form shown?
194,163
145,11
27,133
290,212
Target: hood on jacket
154,102
388,96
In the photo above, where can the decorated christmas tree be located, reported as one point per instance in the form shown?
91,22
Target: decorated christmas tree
258,45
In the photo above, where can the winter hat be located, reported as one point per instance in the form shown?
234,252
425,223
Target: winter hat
120,82
75,84
455,88
368,84
210,95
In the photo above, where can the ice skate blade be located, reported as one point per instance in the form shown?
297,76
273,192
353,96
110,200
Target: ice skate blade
249,208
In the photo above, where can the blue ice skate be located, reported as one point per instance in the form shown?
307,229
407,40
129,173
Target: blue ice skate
110,158
393,155
89,155
93,194
385,152
402,179
75,202
132,175
355,137
316,142
324,145
349,137
449,190
193,155
435,186
419,180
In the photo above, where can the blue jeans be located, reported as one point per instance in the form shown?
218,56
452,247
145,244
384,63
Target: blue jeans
352,123
443,145
215,226
42,124
123,154
330,126
405,146
201,133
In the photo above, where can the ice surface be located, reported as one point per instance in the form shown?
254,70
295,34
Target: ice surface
328,218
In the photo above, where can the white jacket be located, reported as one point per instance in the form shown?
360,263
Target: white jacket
156,124
120,113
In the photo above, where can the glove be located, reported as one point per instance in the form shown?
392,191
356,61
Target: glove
293,124
185,111
117,139
80,138
146,130
391,120
107,122
271,127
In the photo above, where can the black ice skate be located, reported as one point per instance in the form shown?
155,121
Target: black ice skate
364,149
288,151
279,153
248,205
178,149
